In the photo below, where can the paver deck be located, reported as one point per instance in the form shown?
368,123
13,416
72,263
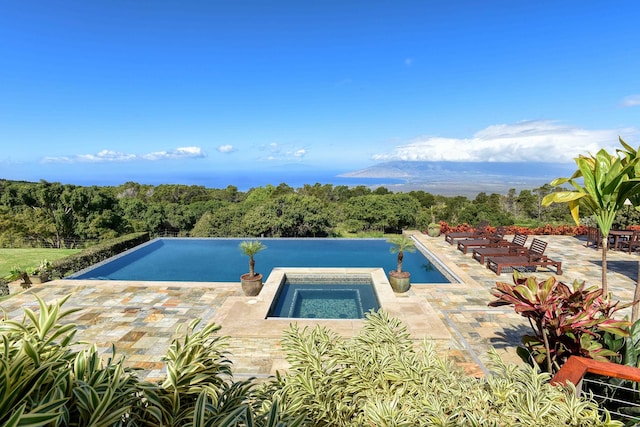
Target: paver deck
140,318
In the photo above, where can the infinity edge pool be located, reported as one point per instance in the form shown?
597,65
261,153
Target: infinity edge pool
220,260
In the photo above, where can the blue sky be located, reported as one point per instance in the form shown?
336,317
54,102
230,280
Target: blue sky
111,91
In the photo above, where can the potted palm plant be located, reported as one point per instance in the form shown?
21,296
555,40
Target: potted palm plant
251,282
433,229
19,273
399,280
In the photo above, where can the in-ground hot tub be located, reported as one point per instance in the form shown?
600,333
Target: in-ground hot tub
247,319
328,296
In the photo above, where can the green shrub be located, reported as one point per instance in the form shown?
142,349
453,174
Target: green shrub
379,378
48,383
97,253
566,321
376,378
616,394
47,380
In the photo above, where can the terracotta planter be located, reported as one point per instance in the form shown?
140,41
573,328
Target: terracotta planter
400,282
38,279
433,230
251,285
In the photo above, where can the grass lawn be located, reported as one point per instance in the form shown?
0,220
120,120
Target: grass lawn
29,258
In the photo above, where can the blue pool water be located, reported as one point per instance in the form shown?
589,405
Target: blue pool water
220,260
322,301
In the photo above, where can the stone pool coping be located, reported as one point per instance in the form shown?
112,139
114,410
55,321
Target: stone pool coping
247,316
140,318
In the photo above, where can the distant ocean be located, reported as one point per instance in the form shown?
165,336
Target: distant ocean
440,178
293,179
243,181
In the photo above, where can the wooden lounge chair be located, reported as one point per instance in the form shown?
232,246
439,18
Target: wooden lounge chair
632,244
530,261
515,247
493,240
480,230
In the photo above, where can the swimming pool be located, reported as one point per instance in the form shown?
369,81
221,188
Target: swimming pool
220,260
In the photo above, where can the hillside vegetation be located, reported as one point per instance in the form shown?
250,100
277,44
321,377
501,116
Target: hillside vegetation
375,378
59,215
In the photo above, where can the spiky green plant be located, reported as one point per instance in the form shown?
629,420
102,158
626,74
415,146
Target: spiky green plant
32,354
377,378
46,378
250,248
47,381
381,377
400,245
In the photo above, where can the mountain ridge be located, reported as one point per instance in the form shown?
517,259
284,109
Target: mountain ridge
464,178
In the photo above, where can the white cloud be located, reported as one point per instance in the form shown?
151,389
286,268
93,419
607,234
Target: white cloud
408,62
178,153
279,152
529,141
631,101
115,156
227,148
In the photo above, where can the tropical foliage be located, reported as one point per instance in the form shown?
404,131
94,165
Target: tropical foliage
607,181
61,215
619,395
547,229
381,377
566,320
250,248
377,378
400,245
48,379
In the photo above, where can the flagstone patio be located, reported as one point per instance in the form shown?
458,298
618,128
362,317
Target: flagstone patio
140,318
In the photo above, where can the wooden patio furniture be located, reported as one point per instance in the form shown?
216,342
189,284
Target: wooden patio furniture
493,240
515,247
617,237
530,262
478,231
632,244
594,238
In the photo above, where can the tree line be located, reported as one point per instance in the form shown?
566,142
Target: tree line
60,214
